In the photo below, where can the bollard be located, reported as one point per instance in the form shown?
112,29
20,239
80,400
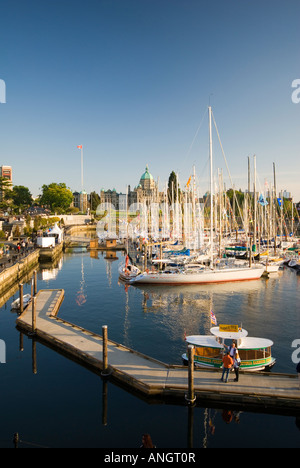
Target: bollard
190,397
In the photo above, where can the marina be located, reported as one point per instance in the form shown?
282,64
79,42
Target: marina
149,227
148,335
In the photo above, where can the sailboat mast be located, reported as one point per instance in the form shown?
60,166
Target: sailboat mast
211,187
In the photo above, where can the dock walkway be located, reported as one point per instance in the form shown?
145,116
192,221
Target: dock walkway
151,377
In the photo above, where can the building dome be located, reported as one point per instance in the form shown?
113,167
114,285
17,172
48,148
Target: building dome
147,175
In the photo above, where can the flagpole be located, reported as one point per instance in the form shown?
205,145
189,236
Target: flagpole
81,197
82,168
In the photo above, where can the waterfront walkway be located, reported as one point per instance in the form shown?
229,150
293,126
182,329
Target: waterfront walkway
266,391
13,257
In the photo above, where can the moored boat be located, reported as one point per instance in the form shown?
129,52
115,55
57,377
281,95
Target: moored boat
255,353
128,272
294,264
17,303
201,275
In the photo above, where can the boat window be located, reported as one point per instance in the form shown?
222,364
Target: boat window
253,354
208,352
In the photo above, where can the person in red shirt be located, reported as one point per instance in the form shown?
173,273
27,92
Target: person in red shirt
227,365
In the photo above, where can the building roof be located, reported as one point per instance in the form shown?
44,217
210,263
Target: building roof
147,175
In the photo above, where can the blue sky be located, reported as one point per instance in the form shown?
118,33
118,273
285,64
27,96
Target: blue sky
131,81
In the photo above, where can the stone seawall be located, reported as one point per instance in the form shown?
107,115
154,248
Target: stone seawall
15,273
88,231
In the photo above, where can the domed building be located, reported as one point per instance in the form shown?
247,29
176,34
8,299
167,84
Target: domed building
145,192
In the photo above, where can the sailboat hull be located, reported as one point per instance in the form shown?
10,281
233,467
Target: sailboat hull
203,277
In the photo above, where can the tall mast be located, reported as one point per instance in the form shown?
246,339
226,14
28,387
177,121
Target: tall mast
255,207
211,187
275,209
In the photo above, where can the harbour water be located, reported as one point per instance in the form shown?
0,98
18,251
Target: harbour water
61,404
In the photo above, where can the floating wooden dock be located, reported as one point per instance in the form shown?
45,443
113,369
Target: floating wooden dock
263,391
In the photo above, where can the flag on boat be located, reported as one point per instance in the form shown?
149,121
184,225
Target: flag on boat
189,181
213,318
79,147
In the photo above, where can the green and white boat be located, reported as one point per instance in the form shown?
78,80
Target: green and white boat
255,353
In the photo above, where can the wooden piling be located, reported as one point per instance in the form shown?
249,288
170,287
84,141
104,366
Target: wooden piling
190,397
21,298
104,351
34,314
35,282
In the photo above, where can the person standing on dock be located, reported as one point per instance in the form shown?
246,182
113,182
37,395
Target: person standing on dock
236,365
227,365
232,350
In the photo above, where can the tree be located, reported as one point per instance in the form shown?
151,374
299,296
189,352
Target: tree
94,200
173,188
21,196
57,196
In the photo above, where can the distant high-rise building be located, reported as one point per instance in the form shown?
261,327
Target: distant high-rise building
6,173
80,201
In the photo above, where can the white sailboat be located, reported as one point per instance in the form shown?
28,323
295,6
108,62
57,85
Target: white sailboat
219,273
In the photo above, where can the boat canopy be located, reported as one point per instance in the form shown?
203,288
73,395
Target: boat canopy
244,343
229,334
204,341
255,343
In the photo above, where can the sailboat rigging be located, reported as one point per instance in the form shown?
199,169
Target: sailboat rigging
218,271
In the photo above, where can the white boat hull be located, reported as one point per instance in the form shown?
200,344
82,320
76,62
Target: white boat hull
272,268
256,368
203,277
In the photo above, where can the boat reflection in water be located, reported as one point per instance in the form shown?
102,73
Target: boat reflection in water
184,310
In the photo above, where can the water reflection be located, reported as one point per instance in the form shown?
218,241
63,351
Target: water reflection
187,308
81,295
49,271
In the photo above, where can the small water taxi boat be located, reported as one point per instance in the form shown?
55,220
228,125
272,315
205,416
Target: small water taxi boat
255,353
16,304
